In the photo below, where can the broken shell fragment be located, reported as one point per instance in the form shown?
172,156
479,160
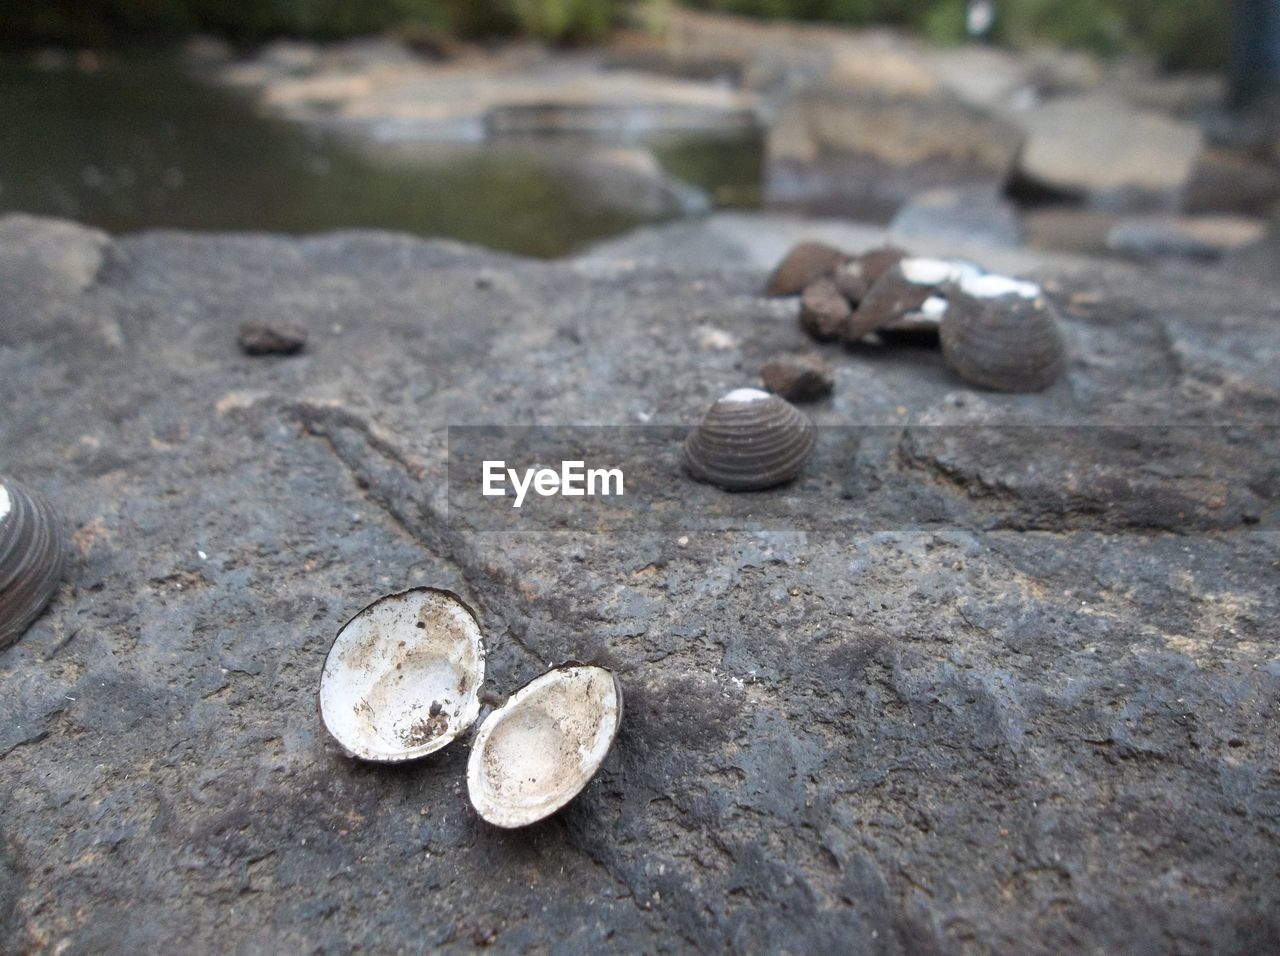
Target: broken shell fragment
749,440
856,277
33,555
1002,333
902,290
403,676
824,311
805,263
538,751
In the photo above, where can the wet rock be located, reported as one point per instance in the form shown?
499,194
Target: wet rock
804,264
631,179
383,90
275,337
824,310
798,377
1114,156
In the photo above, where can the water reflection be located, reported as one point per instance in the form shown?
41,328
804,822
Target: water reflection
131,142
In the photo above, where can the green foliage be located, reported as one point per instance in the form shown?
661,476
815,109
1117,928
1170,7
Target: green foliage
1183,33
78,21
565,19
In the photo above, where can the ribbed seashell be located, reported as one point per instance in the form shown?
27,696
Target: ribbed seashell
748,441
902,290
538,750
33,555
403,676
1002,333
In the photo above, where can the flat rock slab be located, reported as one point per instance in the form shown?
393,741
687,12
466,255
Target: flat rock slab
1114,155
953,692
386,91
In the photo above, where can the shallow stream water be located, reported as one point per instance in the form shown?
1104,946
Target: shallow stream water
129,142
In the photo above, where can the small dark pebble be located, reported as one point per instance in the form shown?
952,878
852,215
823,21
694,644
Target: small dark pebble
272,338
824,312
798,377
805,262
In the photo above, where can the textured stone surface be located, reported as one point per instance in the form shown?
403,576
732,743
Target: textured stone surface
972,694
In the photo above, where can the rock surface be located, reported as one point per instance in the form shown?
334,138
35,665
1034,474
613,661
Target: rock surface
1115,156
1200,237
998,675
980,216
383,89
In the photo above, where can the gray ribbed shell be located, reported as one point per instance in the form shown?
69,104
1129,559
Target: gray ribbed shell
33,555
749,446
1009,344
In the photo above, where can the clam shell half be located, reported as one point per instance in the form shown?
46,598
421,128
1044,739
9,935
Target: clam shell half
538,751
1002,334
748,441
902,291
33,555
403,676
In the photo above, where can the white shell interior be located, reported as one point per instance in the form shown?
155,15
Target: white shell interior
537,751
403,676
993,286
745,395
934,307
5,502
921,270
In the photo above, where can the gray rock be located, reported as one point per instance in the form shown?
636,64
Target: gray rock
950,691
1233,182
862,153
977,216
1198,237
1098,147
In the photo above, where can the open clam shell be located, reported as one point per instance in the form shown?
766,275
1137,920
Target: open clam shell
749,440
901,292
33,556
1002,333
538,751
403,676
